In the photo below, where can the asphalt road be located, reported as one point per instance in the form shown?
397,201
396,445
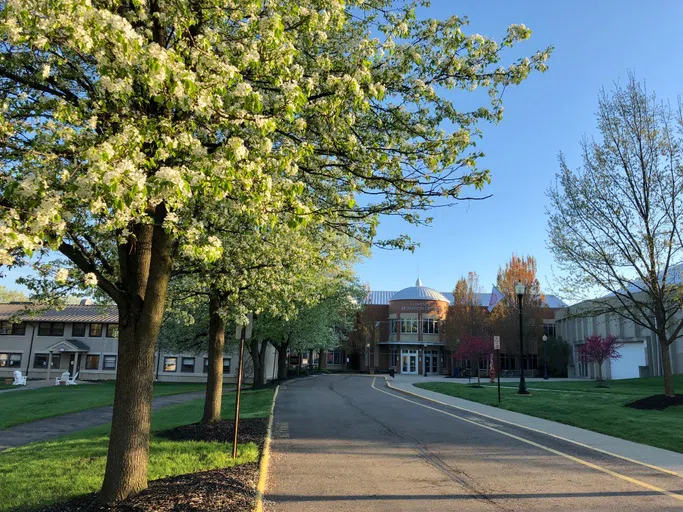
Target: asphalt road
343,444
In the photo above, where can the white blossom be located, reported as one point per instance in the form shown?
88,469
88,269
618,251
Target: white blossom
90,279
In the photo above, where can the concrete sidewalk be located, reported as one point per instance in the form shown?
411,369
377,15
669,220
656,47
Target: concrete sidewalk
671,461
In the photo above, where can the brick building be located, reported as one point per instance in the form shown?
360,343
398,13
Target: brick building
404,330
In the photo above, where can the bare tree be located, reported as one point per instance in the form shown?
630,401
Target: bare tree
614,223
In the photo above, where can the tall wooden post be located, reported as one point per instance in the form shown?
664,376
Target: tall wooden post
239,393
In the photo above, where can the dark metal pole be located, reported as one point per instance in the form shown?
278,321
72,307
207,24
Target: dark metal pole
30,348
238,393
498,367
522,382
545,359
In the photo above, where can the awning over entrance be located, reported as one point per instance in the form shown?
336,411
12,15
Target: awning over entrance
69,345
77,347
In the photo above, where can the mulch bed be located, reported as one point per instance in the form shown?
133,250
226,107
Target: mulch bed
656,402
251,430
219,490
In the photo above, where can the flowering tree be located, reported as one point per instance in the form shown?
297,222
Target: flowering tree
122,122
598,349
474,348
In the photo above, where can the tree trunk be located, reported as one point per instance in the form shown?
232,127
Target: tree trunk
282,363
320,360
666,365
258,355
141,310
213,401
599,372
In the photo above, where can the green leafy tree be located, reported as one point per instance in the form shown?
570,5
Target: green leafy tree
122,121
9,295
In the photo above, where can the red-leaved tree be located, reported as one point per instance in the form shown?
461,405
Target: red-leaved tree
598,349
474,348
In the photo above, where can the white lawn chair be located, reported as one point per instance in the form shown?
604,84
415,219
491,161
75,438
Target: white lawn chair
72,381
64,378
19,379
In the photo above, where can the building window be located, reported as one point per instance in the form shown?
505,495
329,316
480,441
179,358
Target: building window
92,362
78,330
95,330
507,362
408,325
392,326
187,365
334,357
430,326
549,330
531,362
112,331
9,328
8,360
109,363
40,361
51,329
170,364
226,365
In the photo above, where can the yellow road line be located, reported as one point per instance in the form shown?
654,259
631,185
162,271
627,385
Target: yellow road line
542,447
265,458
578,443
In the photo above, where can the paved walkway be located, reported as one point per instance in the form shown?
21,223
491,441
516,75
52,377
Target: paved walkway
669,460
57,426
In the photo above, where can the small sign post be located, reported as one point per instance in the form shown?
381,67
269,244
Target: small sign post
496,347
243,332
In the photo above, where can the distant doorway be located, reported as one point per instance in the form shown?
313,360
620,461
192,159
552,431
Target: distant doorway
408,361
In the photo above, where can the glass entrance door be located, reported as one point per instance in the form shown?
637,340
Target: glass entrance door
434,367
408,361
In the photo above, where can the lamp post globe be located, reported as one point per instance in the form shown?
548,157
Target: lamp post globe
519,290
545,357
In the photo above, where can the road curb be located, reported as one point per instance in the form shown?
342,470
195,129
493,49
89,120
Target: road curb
265,458
577,443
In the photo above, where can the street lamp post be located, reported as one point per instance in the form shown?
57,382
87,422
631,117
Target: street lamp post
519,290
545,357
424,358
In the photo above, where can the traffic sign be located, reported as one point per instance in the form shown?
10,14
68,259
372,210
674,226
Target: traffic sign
496,343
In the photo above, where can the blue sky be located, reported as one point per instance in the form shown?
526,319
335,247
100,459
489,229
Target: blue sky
596,43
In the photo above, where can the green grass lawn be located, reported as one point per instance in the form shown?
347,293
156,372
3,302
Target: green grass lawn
5,386
34,404
584,405
53,471
639,387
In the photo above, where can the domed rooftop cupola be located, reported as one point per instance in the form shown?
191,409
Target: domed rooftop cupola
418,292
